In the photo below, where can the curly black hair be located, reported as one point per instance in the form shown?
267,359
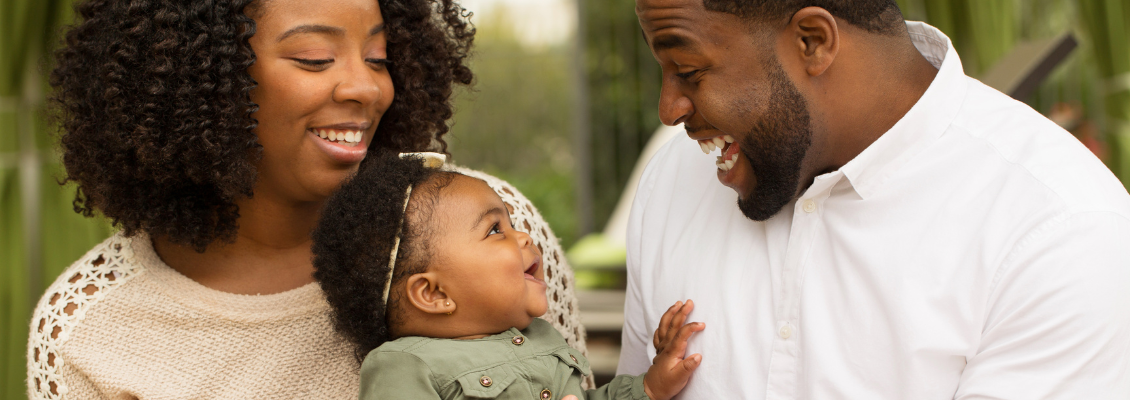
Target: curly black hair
153,97
355,235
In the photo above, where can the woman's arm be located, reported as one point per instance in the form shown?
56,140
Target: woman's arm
61,310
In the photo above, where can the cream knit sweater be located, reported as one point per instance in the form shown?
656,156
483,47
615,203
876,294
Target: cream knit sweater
121,324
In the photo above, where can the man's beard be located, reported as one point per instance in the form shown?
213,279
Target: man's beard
775,148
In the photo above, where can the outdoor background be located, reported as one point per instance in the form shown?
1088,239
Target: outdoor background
564,102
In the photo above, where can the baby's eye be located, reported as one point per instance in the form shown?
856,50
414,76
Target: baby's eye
494,229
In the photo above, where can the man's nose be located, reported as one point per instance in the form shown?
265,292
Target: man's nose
674,106
359,83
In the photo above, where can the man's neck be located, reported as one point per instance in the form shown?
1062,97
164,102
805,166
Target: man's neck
874,89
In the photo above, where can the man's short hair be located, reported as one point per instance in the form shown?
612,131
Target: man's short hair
875,16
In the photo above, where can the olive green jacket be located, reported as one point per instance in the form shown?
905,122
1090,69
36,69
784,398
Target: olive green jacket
531,364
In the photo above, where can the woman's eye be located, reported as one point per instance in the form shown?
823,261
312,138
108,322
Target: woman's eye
377,63
313,62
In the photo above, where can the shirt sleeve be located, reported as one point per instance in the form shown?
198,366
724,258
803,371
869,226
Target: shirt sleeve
622,387
1058,319
396,375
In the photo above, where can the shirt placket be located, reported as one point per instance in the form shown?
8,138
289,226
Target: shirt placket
784,365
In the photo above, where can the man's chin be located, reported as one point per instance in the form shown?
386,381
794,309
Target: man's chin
759,204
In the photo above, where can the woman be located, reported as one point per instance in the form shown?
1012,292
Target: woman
211,132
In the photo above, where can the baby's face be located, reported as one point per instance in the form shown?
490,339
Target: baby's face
492,272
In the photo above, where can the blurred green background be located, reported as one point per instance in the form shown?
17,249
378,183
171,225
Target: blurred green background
565,99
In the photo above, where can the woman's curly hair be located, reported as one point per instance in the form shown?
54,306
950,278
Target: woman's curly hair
154,102
355,236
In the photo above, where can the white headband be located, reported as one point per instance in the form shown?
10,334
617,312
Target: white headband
431,160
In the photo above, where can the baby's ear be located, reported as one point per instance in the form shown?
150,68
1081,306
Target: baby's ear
425,294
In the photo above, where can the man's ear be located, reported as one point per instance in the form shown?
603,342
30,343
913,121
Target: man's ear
425,293
817,38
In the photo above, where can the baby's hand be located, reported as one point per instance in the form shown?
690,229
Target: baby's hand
670,371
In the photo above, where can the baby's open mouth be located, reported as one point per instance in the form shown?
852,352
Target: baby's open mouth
349,138
532,270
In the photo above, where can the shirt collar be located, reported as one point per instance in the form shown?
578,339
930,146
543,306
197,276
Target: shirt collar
926,121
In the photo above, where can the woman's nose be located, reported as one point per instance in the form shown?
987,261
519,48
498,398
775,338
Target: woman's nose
674,106
360,84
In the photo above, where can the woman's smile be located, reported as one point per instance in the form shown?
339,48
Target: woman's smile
346,143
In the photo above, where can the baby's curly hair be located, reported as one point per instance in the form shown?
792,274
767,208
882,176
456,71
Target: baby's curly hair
354,238
154,101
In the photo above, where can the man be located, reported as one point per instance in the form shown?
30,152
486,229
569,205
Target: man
902,231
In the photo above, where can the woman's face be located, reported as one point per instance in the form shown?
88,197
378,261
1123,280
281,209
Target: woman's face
323,87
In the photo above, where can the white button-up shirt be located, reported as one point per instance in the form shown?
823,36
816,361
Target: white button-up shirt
974,251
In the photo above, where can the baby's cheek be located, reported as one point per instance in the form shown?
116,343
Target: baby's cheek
540,304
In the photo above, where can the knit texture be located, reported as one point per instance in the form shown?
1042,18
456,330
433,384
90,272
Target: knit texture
119,323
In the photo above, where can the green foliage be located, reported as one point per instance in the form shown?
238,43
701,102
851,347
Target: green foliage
1107,23
623,81
1094,77
517,121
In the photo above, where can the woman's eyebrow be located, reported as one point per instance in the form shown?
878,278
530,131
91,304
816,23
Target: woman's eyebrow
329,30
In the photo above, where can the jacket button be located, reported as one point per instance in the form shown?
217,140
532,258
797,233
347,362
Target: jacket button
545,393
485,381
518,340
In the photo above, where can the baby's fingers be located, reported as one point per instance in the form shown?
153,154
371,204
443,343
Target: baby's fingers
665,325
678,347
680,317
690,364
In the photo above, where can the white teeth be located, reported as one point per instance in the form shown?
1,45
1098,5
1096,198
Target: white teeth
345,137
728,138
702,146
727,164
719,142
710,145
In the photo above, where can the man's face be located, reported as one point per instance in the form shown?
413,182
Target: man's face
723,81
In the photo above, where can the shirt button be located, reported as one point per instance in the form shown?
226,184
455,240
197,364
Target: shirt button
518,340
545,393
485,381
809,206
785,332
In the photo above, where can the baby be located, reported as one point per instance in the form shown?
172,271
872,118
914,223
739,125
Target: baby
441,295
